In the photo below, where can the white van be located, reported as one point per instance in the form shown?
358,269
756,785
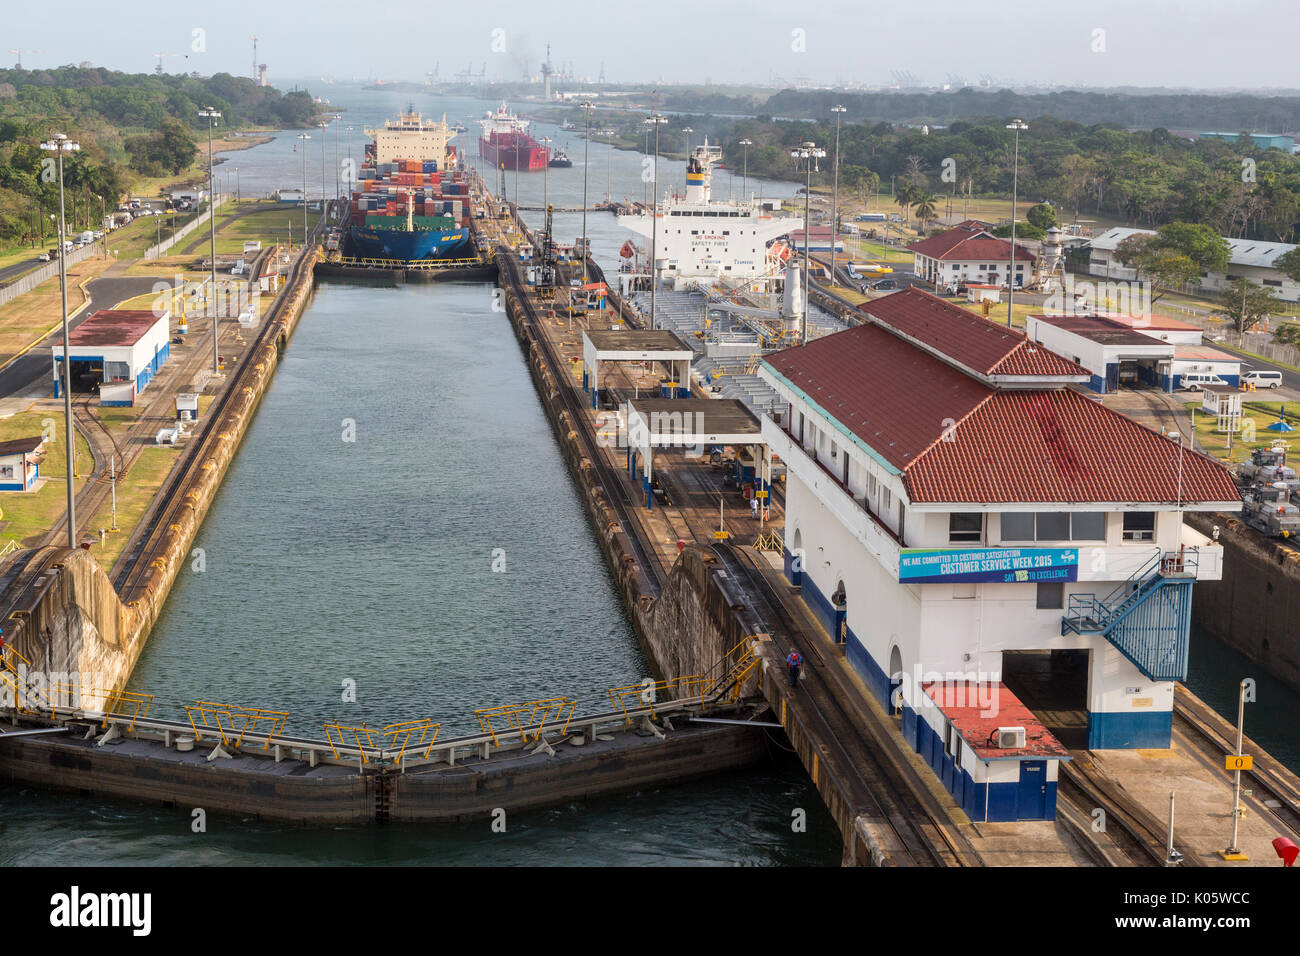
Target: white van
1195,381
1262,378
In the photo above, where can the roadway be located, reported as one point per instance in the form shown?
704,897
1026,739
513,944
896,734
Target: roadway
104,292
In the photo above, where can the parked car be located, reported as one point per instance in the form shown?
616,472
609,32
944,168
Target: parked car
1262,378
1195,381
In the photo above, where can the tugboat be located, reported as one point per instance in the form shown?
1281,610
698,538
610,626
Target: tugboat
560,159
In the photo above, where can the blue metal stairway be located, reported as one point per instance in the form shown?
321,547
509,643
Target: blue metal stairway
1147,617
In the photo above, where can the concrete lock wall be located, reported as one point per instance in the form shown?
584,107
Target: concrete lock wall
1257,604
77,621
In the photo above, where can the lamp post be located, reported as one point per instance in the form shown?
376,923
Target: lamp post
336,164
212,117
60,144
835,200
688,131
744,182
324,128
655,120
808,153
1016,125
351,168
238,194
586,146
546,141
303,137
609,163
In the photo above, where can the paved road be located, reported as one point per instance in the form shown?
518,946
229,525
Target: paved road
14,271
105,292
1290,377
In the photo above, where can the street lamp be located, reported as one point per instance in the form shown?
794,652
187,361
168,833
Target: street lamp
586,146
324,134
688,131
744,182
212,117
808,153
60,144
303,137
654,120
1016,125
546,142
238,194
835,201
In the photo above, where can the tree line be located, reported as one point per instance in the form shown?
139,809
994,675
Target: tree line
128,126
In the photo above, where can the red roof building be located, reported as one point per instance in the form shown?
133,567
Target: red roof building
922,362
970,253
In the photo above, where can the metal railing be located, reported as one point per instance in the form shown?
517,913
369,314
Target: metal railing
399,745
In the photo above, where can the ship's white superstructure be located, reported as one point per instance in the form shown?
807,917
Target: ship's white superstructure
411,137
702,243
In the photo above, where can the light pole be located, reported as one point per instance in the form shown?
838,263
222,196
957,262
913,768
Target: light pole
303,137
336,164
1233,852
609,163
586,147
744,182
324,133
809,153
546,141
351,169
1016,125
60,144
238,194
835,200
656,121
688,131
212,117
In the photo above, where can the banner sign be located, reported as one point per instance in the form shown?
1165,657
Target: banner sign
989,564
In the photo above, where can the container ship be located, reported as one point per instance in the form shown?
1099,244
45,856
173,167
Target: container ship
505,142
414,200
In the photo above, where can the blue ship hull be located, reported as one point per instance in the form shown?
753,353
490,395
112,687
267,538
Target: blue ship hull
371,243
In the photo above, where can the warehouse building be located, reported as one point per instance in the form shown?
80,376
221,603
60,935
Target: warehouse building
969,253
118,351
1251,259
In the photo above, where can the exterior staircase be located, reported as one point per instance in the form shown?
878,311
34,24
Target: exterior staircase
1147,617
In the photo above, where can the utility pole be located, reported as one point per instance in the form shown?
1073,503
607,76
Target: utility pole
60,144
656,121
835,201
302,138
586,145
809,153
744,182
1016,125
324,131
212,116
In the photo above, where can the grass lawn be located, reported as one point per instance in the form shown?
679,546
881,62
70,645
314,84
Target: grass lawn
28,515
1258,414
134,494
866,249
998,312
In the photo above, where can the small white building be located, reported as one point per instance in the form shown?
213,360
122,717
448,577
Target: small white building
952,506
118,350
970,253
20,463
1131,351
1247,258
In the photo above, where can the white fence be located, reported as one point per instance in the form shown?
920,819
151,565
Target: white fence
30,280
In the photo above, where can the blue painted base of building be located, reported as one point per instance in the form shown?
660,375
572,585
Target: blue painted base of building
1129,731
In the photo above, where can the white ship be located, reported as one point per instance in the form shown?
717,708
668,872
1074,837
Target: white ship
702,243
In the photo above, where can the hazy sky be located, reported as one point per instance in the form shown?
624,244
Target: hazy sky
1188,43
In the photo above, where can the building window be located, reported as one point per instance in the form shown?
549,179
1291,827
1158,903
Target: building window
1139,526
1053,526
966,526
1273,282
1051,595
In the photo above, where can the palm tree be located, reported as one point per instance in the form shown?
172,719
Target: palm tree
926,208
905,194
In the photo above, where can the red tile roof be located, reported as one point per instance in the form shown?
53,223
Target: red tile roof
118,327
1061,446
977,710
969,339
1008,445
892,395
969,245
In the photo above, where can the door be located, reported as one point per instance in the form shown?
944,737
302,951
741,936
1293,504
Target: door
1031,800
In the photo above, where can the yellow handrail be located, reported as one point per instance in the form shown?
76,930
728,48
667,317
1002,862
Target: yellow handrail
538,711
242,719
406,730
